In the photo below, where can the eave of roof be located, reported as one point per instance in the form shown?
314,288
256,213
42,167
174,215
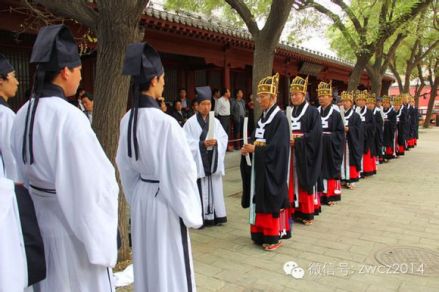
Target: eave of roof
239,35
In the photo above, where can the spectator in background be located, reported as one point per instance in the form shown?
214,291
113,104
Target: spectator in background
76,99
179,114
223,109
182,97
194,108
215,96
238,114
87,103
162,104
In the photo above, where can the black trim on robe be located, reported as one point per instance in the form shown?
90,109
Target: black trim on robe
209,157
187,263
33,242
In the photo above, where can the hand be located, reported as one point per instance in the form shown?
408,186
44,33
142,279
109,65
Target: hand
209,143
346,129
247,148
292,140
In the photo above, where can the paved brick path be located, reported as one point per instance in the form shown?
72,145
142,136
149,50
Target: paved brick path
398,207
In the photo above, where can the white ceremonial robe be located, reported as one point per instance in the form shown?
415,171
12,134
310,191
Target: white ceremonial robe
211,193
79,222
8,167
13,266
160,212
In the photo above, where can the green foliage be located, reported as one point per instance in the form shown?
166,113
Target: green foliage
299,27
368,12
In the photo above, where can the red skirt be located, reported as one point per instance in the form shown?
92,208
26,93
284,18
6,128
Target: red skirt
400,150
333,190
266,229
389,152
369,164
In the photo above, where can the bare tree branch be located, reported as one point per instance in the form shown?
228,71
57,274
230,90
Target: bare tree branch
76,9
392,50
350,14
279,12
245,14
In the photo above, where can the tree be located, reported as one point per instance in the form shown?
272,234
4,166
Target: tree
116,24
362,30
423,40
265,39
432,65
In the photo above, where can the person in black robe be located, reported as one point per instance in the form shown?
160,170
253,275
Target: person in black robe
332,146
413,113
389,119
377,146
369,125
306,154
353,151
401,126
415,122
268,196
408,122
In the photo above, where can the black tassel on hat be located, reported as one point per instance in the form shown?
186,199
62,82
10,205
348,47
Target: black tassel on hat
142,63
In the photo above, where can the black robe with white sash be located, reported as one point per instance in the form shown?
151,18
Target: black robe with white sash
270,165
401,120
389,127
355,137
369,128
308,148
376,150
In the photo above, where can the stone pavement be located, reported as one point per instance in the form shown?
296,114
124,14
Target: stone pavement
398,208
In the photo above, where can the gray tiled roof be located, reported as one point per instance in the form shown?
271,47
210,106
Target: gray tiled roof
197,21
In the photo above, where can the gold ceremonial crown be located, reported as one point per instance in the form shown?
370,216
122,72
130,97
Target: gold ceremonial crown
269,84
386,98
299,85
345,95
324,89
397,100
371,98
360,95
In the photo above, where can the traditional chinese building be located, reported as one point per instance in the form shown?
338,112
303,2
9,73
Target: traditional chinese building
195,52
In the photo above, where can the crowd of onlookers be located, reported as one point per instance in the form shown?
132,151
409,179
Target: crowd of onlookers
229,110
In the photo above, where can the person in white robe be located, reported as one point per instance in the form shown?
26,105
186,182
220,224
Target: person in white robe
70,179
21,249
13,270
158,180
208,152
8,89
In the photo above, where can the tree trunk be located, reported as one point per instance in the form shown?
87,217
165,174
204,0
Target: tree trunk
263,57
355,78
433,94
376,79
111,90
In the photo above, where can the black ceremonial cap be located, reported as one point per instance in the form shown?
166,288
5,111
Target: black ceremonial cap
5,66
143,62
203,93
55,48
